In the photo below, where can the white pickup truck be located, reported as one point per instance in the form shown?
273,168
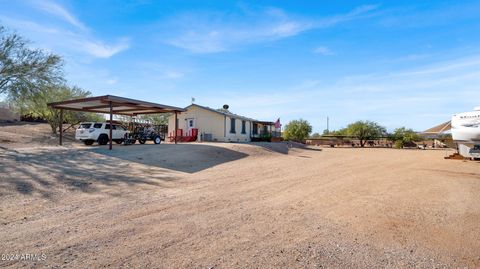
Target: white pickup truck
90,132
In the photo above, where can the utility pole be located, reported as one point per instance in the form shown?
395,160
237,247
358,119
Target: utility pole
328,130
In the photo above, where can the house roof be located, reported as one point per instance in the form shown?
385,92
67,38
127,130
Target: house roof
439,128
120,106
223,112
265,122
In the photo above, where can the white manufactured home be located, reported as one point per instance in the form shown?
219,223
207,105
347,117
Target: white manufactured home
220,125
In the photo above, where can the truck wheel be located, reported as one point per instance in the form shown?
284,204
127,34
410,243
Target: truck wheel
119,141
103,139
142,140
88,142
157,139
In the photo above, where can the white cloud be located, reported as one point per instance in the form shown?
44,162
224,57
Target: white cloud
62,13
207,42
217,32
453,65
173,74
410,58
323,51
287,29
64,41
15,24
357,13
155,71
111,81
101,50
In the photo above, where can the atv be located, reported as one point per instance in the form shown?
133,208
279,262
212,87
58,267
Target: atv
142,134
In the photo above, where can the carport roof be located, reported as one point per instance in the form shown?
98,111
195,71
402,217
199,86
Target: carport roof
120,106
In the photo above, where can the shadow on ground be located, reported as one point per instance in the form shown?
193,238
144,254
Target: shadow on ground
187,158
49,170
283,147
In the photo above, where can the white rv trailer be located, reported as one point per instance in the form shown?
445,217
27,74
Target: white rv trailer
466,133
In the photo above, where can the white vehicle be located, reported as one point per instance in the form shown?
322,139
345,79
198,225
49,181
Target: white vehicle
466,126
90,132
466,133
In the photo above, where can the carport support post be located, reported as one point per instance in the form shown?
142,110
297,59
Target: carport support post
110,131
60,125
176,127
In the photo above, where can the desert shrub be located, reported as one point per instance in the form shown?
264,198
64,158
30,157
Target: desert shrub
364,131
297,130
398,144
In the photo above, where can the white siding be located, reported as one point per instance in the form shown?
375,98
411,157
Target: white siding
238,136
209,122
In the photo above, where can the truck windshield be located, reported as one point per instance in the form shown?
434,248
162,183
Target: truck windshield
84,126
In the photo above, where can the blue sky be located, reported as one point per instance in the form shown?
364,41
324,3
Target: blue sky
401,63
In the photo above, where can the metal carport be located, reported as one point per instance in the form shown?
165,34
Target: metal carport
110,104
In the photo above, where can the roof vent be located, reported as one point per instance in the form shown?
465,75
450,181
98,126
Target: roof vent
226,107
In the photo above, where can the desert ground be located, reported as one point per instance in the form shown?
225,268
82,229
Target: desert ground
220,205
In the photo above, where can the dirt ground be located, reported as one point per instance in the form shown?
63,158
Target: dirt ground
219,205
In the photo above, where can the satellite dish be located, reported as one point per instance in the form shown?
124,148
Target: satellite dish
225,107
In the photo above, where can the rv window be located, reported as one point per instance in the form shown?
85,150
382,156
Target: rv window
243,127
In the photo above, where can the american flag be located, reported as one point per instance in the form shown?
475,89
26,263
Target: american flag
277,124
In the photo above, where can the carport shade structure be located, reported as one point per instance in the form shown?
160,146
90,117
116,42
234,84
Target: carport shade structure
110,104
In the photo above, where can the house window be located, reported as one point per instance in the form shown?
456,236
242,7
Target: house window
232,125
190,123
243,127
255,129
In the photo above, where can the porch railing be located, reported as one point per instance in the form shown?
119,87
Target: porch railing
267,134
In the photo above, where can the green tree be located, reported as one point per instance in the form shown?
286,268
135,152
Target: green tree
328,132
315,135
23,69
334,133
297,130
35,104
402,136
364,131
157,119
